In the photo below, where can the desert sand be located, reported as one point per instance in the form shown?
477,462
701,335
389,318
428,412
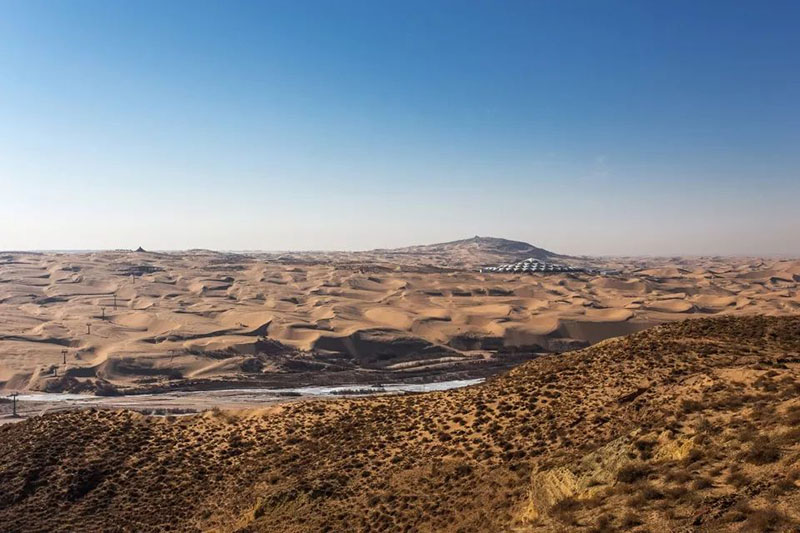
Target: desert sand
140,320
690,426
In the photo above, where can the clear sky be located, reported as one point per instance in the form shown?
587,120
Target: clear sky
598,127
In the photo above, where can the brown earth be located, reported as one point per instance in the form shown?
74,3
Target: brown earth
141,320
690,426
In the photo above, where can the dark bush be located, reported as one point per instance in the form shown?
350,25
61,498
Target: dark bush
633,472
762,452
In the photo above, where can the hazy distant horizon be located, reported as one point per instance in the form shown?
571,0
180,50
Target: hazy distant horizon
355,250
586,128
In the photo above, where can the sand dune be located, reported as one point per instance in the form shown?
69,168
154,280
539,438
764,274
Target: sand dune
182,308
678,305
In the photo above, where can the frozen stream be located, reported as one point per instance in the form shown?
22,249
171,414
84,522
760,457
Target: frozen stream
39,402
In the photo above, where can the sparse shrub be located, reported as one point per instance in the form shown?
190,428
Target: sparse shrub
737,479
738,513
783,486
678,476
676,492
564,510
691,406
566,504
630,520
749,433
792,417
463,470
703,426
789,437
645,448
693,456
702,483
764,520
633,472
649,492
637,501
763,451
604,524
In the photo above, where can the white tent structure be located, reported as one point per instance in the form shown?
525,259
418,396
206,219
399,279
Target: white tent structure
531,265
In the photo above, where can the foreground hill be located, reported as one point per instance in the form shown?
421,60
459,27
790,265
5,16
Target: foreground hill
689,426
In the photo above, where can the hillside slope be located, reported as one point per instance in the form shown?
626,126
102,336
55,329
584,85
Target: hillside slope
688,426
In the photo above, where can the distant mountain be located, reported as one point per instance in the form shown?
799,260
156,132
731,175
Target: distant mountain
479,250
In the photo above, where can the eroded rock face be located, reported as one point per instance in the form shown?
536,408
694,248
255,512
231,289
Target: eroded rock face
593,474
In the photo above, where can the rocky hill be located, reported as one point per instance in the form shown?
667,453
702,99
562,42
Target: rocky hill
691,426
475,251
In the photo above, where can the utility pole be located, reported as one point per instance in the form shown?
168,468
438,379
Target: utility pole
14,402
64,354
88,328
103,313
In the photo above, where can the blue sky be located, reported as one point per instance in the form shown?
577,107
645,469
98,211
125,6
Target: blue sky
594,127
